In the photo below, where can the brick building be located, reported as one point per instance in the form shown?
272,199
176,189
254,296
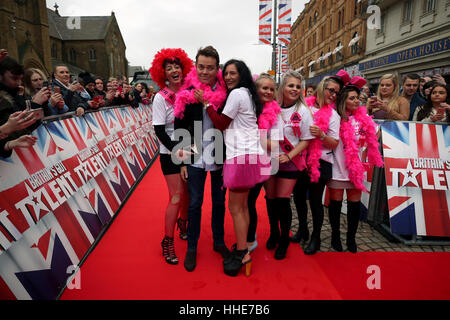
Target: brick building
40,37
328,36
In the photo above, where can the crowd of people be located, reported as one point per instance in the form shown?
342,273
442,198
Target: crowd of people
27,96
288,140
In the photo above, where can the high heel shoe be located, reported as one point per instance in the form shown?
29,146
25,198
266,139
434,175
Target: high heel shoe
182,226
235,261
168,248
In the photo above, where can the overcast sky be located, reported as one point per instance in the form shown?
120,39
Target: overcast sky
147,26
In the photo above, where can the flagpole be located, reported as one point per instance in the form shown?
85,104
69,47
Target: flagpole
274,38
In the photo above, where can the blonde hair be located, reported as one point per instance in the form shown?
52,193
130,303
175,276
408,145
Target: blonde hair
284,80
393,102
29,91
320,91
265,76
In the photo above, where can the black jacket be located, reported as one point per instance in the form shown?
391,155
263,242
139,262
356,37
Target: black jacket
194,113
72,99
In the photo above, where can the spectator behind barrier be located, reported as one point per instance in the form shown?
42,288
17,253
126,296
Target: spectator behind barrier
388,104
99,87
427,88
437,106
310,90
88,91
422,82
34,80
16,123
410,92
69,91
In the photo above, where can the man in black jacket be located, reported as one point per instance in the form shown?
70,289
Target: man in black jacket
70,92
16,123
197,122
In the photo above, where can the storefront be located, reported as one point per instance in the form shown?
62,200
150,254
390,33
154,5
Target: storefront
428,58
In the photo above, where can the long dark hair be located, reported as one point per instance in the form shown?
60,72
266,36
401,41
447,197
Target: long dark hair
342,98
426,109
246,81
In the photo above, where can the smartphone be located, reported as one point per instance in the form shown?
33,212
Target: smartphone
57,89
45,84
441,110
39,113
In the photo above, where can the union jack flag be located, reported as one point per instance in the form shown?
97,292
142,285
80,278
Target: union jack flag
417,166
265,21
284,21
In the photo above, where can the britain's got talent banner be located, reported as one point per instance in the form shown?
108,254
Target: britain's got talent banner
417,167
57,196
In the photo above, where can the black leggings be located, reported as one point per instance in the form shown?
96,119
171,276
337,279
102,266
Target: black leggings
252,197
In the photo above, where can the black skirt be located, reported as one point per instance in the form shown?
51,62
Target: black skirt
167,166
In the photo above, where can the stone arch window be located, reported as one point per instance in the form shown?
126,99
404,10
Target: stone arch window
339,54
316,16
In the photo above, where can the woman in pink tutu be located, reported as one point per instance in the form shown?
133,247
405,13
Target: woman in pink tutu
246,164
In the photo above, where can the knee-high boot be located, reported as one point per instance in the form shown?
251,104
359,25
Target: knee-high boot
302,233
285,214
274,237
334,214
353,215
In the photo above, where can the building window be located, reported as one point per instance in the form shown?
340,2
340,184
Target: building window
339,54
310,22
322,60
355,46
356,8
316,15
429,6
324,7
382,25
339,19
407,11
343,17
54,51
92,54
72,55
323,32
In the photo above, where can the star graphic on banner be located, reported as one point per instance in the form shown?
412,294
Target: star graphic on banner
410,175
35,202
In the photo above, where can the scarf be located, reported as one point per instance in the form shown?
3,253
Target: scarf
354,165
269,116
322,120
186,95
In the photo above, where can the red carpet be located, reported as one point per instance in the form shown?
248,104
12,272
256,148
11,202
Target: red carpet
128,264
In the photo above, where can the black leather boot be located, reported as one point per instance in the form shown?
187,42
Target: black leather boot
334,214
285,213
353,215
313,246
274,237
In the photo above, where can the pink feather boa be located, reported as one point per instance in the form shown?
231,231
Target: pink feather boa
269,116
354,165
322,120
185,96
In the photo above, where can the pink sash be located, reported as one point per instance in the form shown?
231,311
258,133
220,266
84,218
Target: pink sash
299,160
168,95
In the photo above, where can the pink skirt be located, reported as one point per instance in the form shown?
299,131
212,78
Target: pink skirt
244,172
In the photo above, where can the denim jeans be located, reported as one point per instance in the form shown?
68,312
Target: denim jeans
196,188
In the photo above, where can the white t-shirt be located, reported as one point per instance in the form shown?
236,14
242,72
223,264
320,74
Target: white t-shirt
163,115
242,135
288,131
340,171
333,132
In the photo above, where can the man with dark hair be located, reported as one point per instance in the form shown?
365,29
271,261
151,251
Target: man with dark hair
204,156
410,92
16,123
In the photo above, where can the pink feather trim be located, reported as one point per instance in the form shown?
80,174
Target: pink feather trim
269,116
322,120
184,96
354,165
